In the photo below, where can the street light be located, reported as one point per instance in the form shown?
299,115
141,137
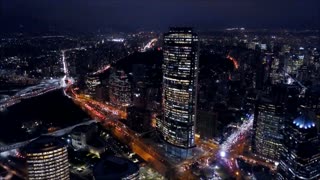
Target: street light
223,154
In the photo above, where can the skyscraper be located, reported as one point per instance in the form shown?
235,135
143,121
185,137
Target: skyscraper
207,124
47,158
180,76
92,82
312,101
268,121
120,89
300,154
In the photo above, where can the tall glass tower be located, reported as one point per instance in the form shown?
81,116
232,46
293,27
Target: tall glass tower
269,117
180,76
300,155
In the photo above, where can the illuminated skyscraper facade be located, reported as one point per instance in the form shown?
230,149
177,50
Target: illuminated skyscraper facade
180,74
92,82
47,158
269,117
300,155
120,89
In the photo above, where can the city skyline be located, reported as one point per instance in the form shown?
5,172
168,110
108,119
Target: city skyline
179,103
161,90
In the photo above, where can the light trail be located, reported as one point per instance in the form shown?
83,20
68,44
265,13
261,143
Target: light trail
9,174
227,149
12,172
63,59
66,81
104,107
123,133
65,69
234,137
102,70
106,67
234,61
149,44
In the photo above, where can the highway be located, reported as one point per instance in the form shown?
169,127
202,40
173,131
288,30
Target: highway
151,154
232,148
236,135
234,61
11,172
101,112
63,59
207,151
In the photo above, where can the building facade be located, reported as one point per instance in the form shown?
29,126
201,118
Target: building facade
47,158
112,167
300,154
269,117
207,124
92,82
180,76
80,135
120,92
312,102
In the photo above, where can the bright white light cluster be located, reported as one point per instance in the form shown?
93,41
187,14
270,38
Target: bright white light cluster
65,69
290,80
150,44
244,128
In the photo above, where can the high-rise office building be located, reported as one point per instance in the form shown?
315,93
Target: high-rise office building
138,119
207,124
312,101
120,92
92,82
47,158
300,153
180,74
268,120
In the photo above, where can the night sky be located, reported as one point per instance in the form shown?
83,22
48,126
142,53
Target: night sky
129,15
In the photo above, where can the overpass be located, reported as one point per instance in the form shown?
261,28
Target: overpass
60,132
32,91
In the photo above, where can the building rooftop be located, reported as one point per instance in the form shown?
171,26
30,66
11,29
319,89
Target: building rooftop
81,129
305,121
112,167
44,144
